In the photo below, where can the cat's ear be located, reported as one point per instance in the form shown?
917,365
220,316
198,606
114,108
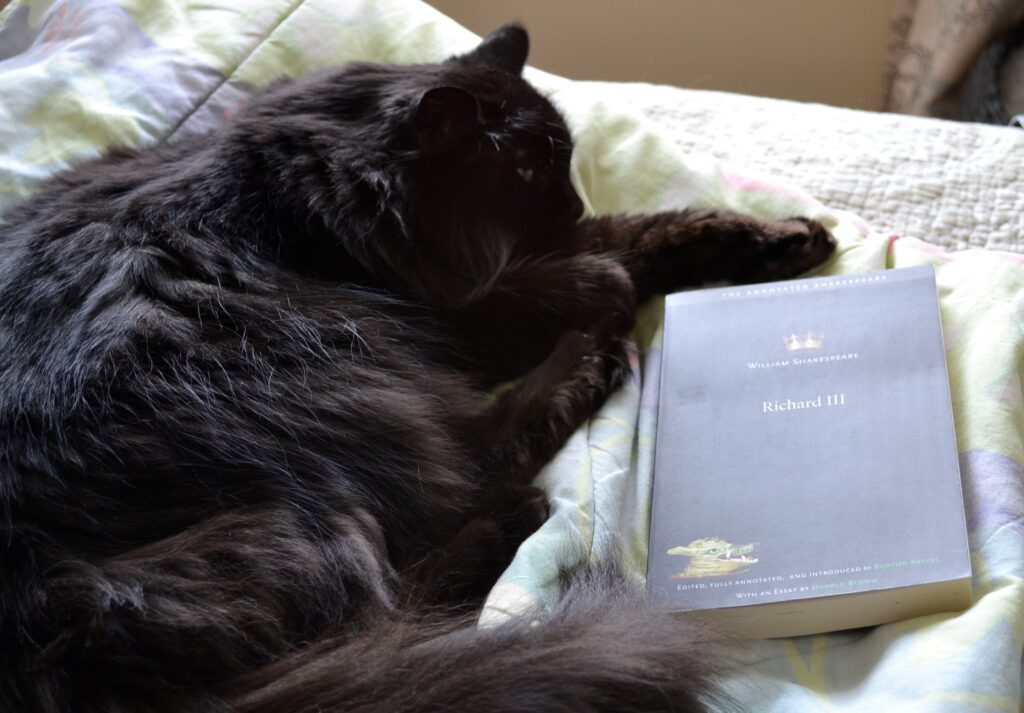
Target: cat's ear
505,48
445,117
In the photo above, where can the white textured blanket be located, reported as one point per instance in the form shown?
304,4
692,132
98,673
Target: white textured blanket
953,184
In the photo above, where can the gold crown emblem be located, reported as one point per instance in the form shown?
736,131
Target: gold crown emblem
795,343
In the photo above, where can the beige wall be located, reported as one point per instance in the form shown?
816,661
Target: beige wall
813,50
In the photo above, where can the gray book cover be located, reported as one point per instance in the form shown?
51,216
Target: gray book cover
805,443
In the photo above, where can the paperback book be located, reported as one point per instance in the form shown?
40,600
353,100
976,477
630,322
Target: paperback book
806,472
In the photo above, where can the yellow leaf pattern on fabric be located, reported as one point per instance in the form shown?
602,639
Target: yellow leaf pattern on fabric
71,124
216,33
813,673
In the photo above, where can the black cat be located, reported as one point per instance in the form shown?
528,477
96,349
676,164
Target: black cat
247,436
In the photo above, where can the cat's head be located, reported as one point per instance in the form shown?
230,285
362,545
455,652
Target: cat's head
443,172
491,180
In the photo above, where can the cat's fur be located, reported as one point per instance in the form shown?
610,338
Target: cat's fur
245,411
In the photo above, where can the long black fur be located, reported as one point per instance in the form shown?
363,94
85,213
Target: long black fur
245,403
601,649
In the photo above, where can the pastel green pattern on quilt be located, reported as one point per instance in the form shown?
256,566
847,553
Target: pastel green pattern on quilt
316,35
76,121
982,300
217,34
258,41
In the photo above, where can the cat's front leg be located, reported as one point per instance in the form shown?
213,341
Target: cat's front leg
534,303
511,441
667,251
528,424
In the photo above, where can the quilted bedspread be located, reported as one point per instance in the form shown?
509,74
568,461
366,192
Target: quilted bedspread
76,77
951,183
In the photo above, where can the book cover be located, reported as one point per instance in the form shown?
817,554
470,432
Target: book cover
806,473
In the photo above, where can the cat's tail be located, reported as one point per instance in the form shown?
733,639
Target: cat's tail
601,649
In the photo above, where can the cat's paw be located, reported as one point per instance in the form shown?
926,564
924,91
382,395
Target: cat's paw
605,295
554,400
789,248
595,364
613,362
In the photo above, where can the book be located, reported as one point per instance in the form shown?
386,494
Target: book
806,476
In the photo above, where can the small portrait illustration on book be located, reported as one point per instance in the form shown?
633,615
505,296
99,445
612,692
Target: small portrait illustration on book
715,557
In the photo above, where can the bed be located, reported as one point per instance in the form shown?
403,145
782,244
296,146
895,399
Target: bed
76,77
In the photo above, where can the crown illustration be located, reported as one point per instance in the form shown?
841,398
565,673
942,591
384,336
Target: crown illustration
795,343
